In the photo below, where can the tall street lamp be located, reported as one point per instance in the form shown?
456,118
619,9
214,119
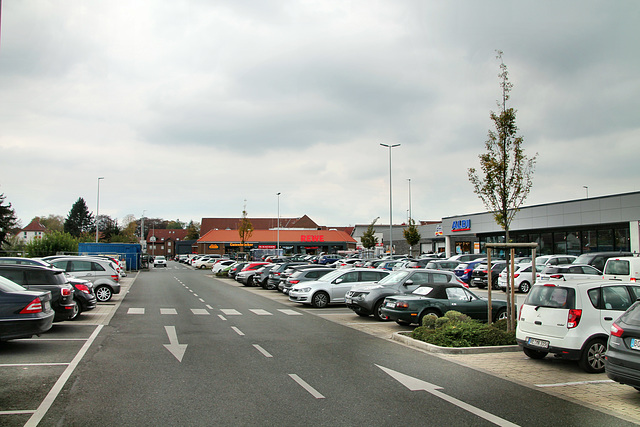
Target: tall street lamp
390,200
278,229
98,209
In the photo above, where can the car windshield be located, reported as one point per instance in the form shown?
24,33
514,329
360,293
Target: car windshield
333,275
394,277
7,285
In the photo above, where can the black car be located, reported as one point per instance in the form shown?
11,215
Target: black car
23,313
236,268
276,272
622,359
479,275
37,278
83,294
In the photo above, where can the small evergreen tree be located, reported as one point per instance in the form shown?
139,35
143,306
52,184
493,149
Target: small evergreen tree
80,220
245,229
8,219
193,230
369,239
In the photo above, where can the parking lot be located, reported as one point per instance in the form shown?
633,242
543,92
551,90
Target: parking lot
34,371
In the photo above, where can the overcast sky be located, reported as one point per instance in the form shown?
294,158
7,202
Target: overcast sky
188,108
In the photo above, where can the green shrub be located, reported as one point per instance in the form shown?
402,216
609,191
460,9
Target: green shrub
455,329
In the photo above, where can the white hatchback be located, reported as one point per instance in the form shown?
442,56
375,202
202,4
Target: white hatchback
572,319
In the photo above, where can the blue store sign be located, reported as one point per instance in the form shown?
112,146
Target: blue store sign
461,225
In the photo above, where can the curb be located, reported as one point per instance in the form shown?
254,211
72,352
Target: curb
399,336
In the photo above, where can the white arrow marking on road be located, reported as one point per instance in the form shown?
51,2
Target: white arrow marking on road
174,347
415,384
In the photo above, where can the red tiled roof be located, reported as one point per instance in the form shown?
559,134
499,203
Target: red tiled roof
167,234
35,226
222,236
208,224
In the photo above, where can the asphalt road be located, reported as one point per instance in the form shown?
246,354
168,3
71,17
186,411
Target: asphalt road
187,349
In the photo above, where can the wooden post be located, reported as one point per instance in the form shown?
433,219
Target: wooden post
489,284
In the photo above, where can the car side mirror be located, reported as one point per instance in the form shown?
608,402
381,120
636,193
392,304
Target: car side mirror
408,282
339,280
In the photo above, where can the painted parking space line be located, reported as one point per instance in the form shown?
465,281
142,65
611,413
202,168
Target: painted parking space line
200,311
237,331
575,383
133,310
168,311
230,312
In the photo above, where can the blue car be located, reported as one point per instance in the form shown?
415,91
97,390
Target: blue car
464,270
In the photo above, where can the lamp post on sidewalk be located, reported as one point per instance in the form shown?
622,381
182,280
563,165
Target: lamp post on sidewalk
98,209
390,199
278,230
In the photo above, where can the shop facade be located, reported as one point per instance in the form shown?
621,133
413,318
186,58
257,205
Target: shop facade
607,223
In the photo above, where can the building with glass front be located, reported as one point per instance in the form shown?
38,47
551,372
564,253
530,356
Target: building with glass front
607,223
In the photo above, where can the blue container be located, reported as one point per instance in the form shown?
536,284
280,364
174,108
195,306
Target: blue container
130,252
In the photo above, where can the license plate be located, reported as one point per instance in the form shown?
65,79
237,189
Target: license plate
390,304
635,344
348,300
538,343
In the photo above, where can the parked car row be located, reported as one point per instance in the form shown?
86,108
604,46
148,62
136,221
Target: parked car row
35,292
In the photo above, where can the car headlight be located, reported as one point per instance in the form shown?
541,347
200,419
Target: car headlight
361,296
305,290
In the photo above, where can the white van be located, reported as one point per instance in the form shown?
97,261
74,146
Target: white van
623,269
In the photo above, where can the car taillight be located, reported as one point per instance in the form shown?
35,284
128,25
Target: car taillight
294,282
574,318
65,291
515,275
34,306
402,304
468,270
83,288
616,330
115,277
520,313
556,276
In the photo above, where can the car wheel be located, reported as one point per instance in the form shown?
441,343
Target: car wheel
500,315
524,287
534,354
428,312
494,284
592,357
75,311
103,293
377,311
320,300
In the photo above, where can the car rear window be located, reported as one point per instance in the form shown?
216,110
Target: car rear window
552,297
618,267
632,315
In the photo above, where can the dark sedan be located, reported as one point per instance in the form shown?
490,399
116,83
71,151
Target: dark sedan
622,360
436,300
23,313
83,295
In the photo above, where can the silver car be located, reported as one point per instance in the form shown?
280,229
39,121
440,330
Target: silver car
332,287
100,272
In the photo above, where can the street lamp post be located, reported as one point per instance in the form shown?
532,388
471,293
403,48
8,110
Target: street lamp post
390,199
586,188
278,229
98,209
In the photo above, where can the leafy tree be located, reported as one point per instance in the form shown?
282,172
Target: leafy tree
79,220
369,239
51,222
108,227
13,244
175,225
411,235
52,244
507,171
245,229
193,230
8,218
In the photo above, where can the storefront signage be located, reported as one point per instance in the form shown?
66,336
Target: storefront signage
461,225
439,230
213,246
240,244
311,238
266,246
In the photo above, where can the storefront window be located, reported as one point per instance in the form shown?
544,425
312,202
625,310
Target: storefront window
573,243
622,239
560,243
605,240
546,244
589,241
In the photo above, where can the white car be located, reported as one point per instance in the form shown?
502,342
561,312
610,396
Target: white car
221,265
159,261
570,272
555,259
522,278
572,319
332,287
